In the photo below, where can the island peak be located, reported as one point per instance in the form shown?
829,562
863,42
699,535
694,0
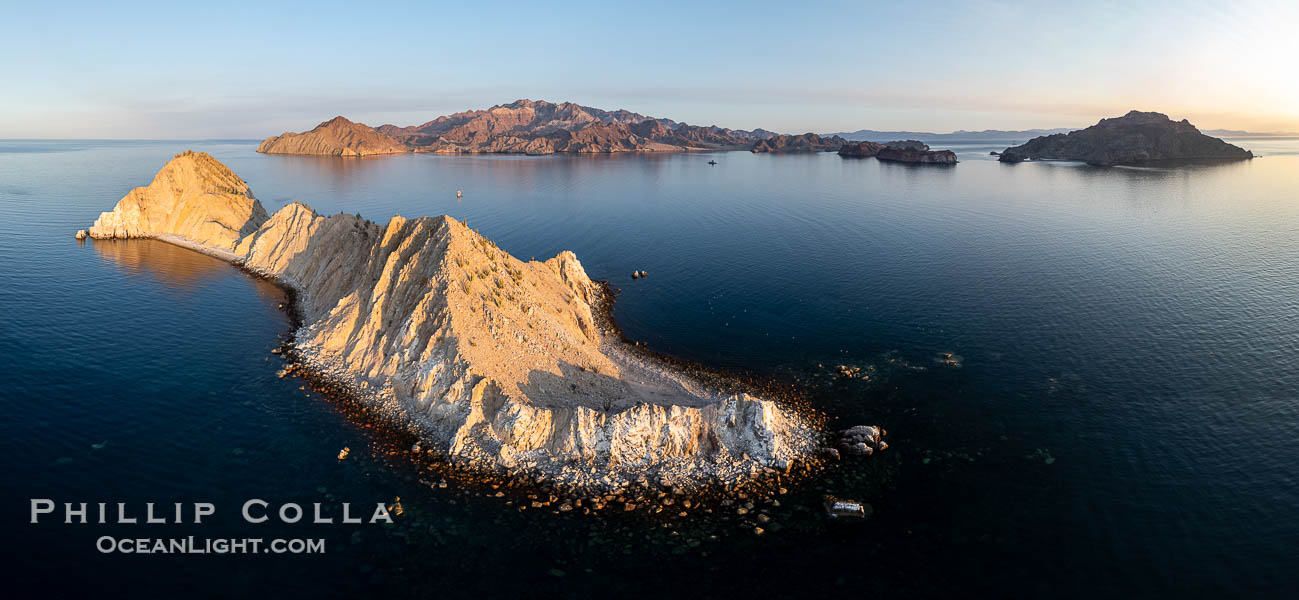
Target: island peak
338,136
1135,138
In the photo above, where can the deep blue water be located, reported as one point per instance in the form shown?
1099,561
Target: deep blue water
1123,421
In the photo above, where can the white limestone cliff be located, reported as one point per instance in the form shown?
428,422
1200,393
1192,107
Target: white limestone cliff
497,361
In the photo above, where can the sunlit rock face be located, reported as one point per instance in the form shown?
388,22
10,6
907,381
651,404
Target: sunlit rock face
335,137
497,361
194,195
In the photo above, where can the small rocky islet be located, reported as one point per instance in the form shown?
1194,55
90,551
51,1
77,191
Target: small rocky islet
906,151
494,364
1136,138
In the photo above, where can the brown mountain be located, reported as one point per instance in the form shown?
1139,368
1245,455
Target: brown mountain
540,127
808,142
335,137
1135,138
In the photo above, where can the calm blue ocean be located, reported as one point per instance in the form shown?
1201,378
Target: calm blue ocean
1123,419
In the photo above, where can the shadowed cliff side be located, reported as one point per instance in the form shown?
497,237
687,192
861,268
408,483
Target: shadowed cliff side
1133,139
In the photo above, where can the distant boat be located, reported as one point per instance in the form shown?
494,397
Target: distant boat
712,162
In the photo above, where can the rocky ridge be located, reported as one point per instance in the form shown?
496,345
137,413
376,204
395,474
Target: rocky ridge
1133,139
498,363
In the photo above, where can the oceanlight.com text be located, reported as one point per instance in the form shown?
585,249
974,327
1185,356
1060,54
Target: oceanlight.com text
192,545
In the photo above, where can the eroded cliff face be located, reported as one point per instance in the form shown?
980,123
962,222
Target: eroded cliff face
497,361
335,137
193,195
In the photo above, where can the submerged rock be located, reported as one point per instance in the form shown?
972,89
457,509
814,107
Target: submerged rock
499,363
1135,138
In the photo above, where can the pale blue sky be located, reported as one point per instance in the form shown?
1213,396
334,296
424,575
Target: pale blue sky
202,69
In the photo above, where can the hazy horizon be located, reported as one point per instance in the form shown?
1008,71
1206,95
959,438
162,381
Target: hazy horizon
167,71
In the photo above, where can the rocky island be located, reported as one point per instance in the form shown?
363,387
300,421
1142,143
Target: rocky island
909,151
1133,139
494,362
520,127
335,137
807,142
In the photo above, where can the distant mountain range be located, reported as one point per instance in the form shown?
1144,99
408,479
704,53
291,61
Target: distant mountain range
1256,134
872,135
520,127
540,127
962,135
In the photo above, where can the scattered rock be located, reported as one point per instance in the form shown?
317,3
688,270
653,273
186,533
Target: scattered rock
862,440
846,510
81,234
343,453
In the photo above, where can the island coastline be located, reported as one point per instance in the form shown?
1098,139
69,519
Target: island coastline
687,471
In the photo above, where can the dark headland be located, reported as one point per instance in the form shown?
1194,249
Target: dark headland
1133,139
